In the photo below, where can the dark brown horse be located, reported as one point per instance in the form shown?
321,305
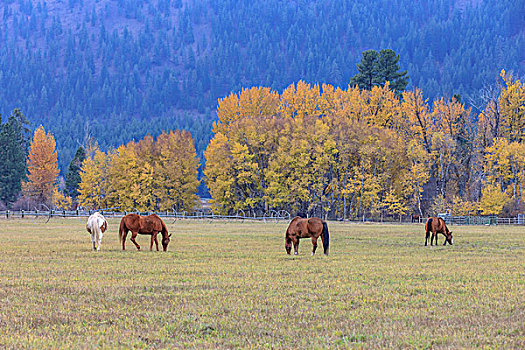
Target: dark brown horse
144,225
304,228
437,225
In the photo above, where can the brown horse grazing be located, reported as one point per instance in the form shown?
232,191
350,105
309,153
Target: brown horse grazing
437,225
304,228
144,225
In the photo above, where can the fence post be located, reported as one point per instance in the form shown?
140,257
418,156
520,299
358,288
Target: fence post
22,214
7,214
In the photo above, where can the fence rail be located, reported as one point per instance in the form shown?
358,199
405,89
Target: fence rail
8,214
269,216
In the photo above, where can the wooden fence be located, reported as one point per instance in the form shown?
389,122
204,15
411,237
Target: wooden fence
268,216
48,214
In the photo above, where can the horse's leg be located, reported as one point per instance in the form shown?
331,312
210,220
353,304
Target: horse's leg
93,241
133,236
314,244
124,235
99,240
296,246
156,241
151,243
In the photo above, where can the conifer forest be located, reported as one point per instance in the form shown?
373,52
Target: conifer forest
343,109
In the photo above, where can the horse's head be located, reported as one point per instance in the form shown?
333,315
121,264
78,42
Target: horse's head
449,237
165,241
288,244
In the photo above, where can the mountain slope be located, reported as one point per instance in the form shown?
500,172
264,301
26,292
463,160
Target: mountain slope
119,69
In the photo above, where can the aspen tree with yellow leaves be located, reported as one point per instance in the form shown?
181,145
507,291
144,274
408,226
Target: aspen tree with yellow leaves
418,118
512,106
246,136
93,188
329,152
145,175
42,167
175,171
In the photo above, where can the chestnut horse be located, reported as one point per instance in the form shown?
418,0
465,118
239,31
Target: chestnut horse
96,226
437,225
144,225
304,228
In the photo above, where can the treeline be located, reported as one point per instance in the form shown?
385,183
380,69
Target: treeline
321,150
149,174
360,153
144,175
121,69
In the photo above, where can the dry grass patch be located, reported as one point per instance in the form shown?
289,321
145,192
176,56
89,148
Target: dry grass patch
231,285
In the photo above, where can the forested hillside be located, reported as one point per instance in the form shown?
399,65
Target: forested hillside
119,69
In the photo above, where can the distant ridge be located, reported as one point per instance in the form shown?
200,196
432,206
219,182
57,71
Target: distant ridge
119,69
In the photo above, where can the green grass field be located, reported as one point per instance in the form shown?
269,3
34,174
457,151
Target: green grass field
231,285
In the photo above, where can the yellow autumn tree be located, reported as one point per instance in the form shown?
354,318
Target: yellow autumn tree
175,171
300,173
418,118
418,174
154,175
512,106
383,107
93,186
460,207
246,136
342,152
395,205
220,176
504,166
61,201
493,199
42,166
345,113
124,178
453,145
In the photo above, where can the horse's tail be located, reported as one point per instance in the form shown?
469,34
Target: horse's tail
428,227
326,238
121,230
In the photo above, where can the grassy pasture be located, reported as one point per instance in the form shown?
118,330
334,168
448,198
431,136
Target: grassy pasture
231,285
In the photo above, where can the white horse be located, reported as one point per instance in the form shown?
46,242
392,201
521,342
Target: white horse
96,226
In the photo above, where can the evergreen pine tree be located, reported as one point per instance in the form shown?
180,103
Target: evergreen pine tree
13,151
376,68
366,78
388,70
73,173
